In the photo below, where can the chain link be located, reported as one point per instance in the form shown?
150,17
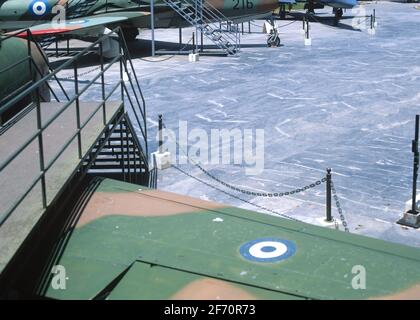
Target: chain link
170,57
235,196
339,208
262,194
82,74
248,192
99,67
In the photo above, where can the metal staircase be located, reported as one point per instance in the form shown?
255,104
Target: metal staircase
210,21
79,8
122,156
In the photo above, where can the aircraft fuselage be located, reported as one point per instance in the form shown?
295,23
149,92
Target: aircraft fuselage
45,10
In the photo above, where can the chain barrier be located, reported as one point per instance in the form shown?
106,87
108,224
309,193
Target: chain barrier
82,74
262,194
332,27
99,67
339,208
170,57
258,194
278,27
248,192
235,196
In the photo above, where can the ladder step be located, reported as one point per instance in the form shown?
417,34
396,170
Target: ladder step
116,167
212,23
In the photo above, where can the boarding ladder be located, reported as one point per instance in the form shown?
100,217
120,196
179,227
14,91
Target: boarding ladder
58,131
120,157
210,21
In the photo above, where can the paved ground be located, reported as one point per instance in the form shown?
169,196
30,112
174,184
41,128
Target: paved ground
347,102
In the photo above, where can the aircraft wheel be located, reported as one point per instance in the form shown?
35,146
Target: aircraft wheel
339,13
273,41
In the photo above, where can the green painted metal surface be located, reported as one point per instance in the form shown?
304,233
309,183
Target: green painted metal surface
205,243
142,280
13,50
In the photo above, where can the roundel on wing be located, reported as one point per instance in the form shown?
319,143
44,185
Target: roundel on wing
267,249
39,8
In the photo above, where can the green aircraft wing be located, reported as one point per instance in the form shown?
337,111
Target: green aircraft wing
85,24
132,243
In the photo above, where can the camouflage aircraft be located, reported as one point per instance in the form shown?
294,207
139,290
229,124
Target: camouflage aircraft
75,16
311,5
128,242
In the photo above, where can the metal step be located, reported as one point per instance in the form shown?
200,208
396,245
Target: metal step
226,39
117,167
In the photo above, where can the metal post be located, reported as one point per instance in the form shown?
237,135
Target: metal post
180,37
76,92
201,24
415,150
122,149
30,59
160,133
202,42
374,16
371,21
242,28
307,29
249,26
136,180
121,70
196,23
41,149
329,217
101,50
128,152
193,42
152,25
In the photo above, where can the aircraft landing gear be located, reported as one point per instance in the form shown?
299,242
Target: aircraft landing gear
273,39
130,34
282,12
310,7
338,12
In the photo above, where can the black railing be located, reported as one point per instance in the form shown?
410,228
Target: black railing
120,89
10,100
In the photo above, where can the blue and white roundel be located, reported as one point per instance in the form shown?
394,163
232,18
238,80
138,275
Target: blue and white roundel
39,8
267,250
